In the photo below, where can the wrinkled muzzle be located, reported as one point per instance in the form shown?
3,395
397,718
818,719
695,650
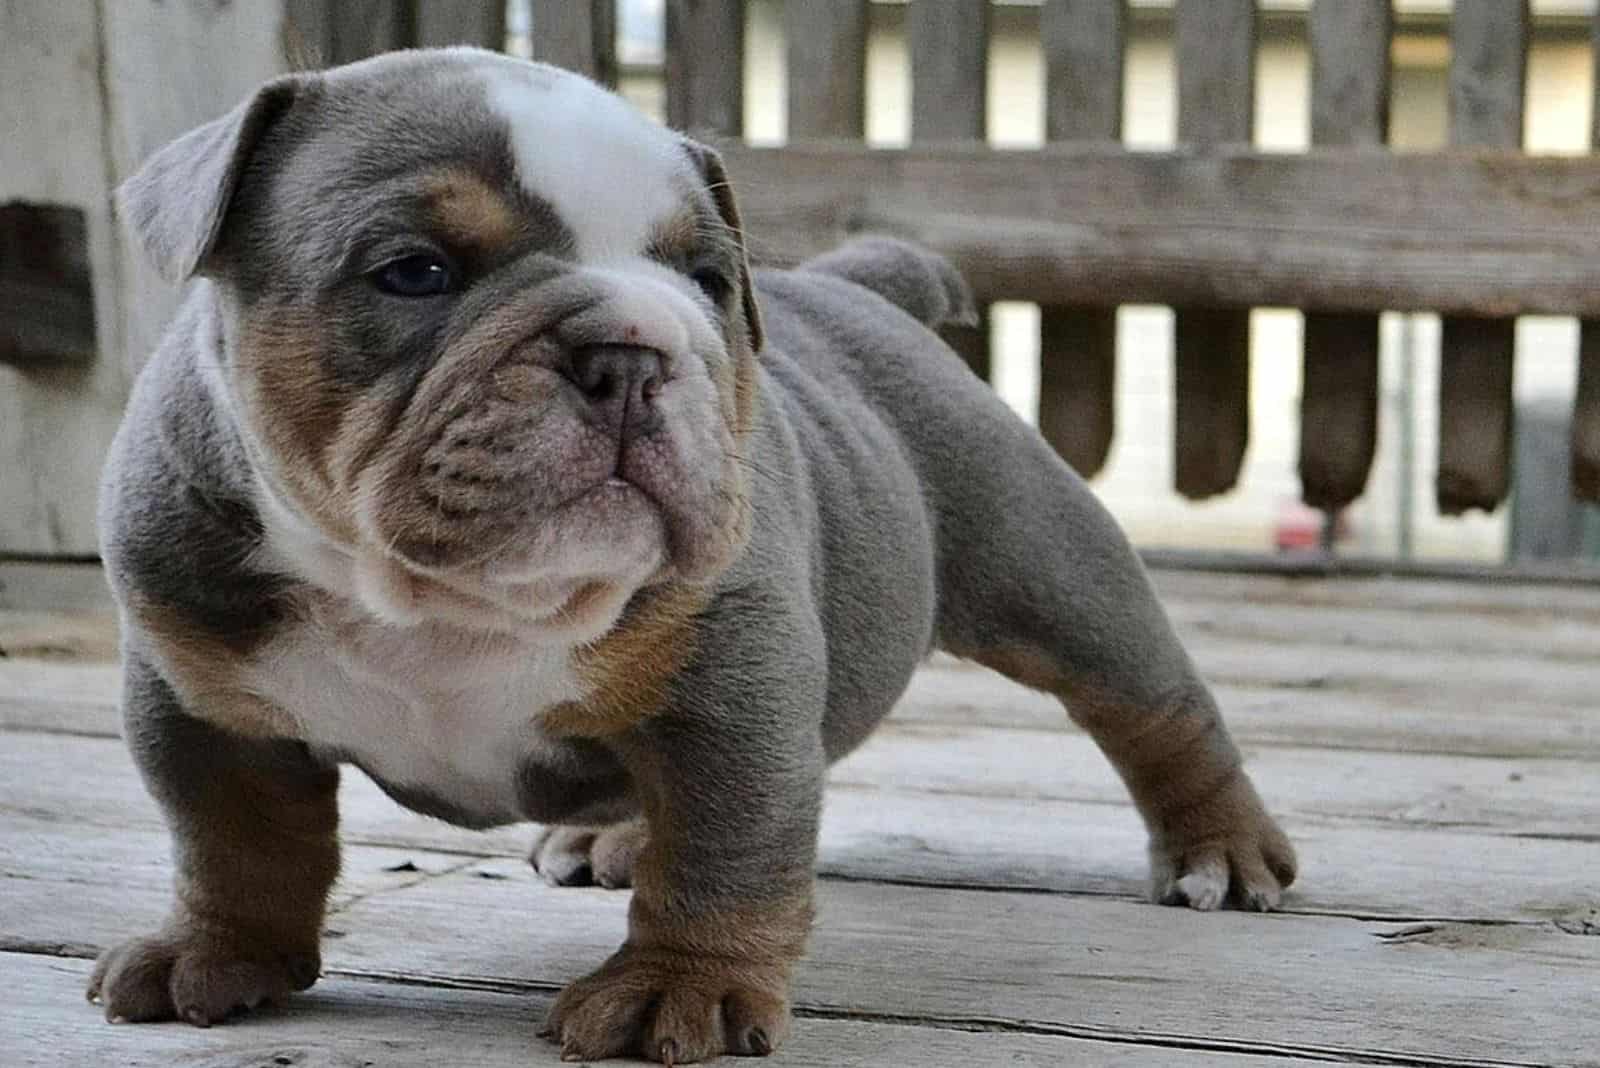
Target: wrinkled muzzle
567,439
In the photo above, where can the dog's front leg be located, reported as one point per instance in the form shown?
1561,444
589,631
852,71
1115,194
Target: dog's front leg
731,786
254,825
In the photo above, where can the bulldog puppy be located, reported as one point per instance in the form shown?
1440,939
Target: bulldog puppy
477,458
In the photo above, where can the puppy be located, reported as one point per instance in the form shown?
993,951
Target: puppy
478,458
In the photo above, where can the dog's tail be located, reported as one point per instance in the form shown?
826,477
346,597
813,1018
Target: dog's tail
917,280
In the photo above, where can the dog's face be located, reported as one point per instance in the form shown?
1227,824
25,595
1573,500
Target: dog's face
487,332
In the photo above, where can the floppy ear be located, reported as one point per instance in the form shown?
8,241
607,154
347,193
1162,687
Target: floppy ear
176,202
715,176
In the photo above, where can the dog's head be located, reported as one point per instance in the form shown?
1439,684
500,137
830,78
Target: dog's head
487,332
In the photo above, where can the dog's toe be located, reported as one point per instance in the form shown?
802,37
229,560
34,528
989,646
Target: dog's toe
589,856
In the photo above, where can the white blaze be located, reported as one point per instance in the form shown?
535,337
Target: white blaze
610,173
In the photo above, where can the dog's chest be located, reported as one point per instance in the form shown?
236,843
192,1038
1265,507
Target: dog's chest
433,712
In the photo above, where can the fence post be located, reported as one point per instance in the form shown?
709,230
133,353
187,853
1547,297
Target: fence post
1339,395
949,42
1216,100
705,66
827,57
1084,46
1488,76
579,35
1586,411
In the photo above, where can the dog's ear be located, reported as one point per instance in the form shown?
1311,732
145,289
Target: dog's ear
715,176
177,201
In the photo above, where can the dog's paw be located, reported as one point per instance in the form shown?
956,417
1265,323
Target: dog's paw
672,1008
1224,851
194,976
589,856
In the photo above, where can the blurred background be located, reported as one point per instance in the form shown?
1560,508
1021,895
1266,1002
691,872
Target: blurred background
50,435
1398,515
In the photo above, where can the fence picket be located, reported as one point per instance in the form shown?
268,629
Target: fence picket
1084,48
1216,101
1488,75
1339,396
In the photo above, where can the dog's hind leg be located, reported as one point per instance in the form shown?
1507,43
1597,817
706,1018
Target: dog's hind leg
1037,582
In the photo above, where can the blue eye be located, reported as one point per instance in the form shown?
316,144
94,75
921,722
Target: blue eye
421,275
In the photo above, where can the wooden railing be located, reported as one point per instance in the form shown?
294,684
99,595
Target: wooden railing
1479,233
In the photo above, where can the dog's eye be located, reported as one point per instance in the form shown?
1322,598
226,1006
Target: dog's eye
420,275
712,282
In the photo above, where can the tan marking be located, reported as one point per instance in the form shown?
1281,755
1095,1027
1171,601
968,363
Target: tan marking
685,989
1183,773
1031,667
257,853
298,409
207,671
470,211
628,670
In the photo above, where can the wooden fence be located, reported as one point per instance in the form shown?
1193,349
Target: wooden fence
1479,233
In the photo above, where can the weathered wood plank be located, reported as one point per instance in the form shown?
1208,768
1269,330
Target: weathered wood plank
447,22
827,57
1338,408
705,66
1476,413
1463,232
1295,985
1586,415
577,34
1216,105
1492,798
56,421
342,1022
326,33
1303,709
1488,80
1339,396
949,44
869,832
1010,960
53,586
1586,409
1084,43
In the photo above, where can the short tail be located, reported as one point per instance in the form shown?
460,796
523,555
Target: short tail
919,281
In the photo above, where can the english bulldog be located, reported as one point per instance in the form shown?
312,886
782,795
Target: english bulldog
477,457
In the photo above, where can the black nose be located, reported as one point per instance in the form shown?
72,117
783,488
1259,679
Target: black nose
620,383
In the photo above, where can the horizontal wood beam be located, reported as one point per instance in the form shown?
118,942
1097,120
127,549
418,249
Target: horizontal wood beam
1472,231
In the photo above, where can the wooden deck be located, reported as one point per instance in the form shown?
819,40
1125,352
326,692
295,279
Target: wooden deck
1433,747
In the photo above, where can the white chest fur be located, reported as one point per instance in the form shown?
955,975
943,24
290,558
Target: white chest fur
428,707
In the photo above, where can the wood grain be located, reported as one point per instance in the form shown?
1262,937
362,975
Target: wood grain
1586,409
1466,231
1084,45
1339,396
1216,105
705,66
827,60
883,825
579,35
448,22
342,1022
1488,80
949,45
